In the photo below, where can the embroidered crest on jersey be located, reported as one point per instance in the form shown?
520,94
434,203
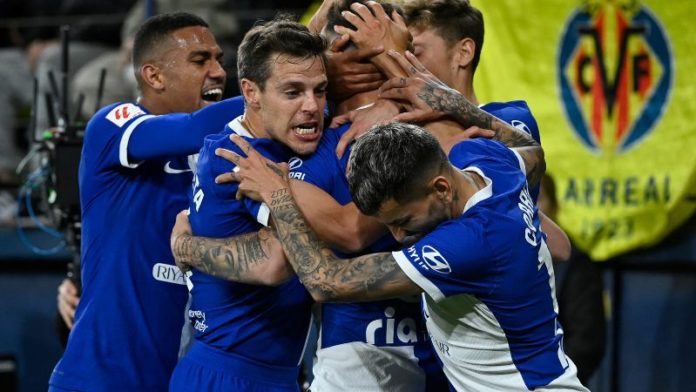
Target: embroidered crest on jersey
121,114
434,260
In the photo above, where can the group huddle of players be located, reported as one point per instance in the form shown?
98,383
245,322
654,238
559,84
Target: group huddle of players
408,227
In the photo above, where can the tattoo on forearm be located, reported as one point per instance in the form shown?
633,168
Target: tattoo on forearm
229,259
281,196
454,104
318,268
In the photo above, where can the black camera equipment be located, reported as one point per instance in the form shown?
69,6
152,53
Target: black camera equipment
59,148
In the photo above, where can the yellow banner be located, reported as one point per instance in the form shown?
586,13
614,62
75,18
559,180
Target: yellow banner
613,87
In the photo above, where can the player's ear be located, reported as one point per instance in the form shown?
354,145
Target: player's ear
464,52
442,188
251,92
152,76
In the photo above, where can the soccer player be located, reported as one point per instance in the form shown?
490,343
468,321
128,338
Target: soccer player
448,38
134,177
250,334
351,331
368,346
477,254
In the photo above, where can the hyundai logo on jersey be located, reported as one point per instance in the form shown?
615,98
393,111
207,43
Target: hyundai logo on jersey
434,260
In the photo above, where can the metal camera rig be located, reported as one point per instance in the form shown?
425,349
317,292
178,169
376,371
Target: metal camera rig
58,148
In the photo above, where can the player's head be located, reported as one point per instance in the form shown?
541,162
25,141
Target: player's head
399,173
282,72
447,35
177,63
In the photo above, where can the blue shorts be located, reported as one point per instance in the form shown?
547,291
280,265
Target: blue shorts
208,369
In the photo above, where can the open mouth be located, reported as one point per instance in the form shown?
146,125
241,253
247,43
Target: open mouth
212,95
307,131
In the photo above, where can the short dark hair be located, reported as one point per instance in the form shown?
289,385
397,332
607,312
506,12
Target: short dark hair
454,20
157,28
393,161
278,36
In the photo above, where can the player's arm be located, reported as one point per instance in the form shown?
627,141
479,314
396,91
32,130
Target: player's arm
253,258
326,277
176,134
343,227
429,99
556,239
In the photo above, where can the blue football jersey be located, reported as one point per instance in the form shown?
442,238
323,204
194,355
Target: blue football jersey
517,114
393,324
134,178
259,324
488,283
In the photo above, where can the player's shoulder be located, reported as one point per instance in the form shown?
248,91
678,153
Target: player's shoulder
478,148
326,150
516,113
119,114
331,137
115,117
484,154
111,122
454,243
215,140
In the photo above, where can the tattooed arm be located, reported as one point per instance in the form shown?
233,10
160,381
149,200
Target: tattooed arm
326,277
429,99
254,258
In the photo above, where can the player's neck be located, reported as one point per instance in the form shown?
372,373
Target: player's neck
464,83
356,101
154,106
252,123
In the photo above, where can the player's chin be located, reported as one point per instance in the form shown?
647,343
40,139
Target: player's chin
302,147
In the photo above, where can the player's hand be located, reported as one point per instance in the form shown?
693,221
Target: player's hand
318,21
362,120
373,27
258,177
67,301
348,71
182,227
470,133
420,92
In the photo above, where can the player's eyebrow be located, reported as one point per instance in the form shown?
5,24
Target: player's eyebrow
292,84
206,54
